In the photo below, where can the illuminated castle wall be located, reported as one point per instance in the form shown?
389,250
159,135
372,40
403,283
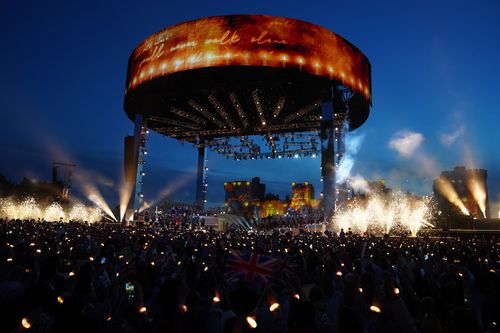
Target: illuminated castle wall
302,195
242,196
471,188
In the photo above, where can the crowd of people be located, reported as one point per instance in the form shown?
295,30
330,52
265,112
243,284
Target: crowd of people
183,216
72,277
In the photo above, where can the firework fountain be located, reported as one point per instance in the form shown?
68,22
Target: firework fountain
380,214
30,209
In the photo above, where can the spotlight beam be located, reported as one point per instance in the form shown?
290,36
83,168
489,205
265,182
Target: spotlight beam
478,192
446,189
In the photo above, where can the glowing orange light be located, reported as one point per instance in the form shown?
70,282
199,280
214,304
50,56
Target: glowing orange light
25,323
71,274
274,307
339,273
396,291
375,309
216,299
183,308
245,44
60,300
296,296
360,290
142,309
251,321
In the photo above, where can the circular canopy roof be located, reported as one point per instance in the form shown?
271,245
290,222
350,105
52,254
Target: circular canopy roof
244,74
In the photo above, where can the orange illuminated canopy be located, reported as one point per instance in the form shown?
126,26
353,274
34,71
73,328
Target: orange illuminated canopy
250,40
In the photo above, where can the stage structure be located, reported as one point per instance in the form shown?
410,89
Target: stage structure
248,87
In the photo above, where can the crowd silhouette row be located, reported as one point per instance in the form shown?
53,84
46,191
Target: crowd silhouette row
73,277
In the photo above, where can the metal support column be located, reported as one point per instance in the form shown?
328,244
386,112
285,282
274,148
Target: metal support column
328,160
139,159
201,186
341,126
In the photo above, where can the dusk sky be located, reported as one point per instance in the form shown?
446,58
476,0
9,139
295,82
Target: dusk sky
435,79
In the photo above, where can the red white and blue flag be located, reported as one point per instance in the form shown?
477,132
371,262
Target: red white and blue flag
287,266
250,267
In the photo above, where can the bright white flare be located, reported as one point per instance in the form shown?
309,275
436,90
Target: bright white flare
99,201
382,214
446,189
125,192
54,212
82,213
478,193
86,182
29,209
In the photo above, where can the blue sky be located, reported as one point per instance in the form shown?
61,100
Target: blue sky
435,71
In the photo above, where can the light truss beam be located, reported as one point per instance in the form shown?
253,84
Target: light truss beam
310,152
221,111
205,113
188,116
270,139
174,122
279,107
239,110
258,106
301,112
309,127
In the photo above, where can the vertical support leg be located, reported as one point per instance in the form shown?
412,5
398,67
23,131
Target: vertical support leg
137,199
328,160
200,179
341,127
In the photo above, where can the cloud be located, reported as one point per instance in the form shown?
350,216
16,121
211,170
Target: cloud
448,139
406,142
358,183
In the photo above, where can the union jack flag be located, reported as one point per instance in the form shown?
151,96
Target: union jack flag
251,267
287,266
